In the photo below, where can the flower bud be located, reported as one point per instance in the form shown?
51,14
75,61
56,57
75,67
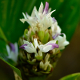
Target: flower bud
25,32
46,38
41,35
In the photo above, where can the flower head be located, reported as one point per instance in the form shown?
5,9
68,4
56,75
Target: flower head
42,41
12,50
42,17
32,47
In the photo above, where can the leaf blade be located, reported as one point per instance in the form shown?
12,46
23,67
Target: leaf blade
75,76
14,68
2,36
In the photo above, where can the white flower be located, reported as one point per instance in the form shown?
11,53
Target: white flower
30,48
48,46
42,17
55,29
62,42
44,65
12,51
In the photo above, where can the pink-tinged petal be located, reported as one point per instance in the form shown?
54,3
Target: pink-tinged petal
53,45
56,35
46,7
54,19
12,47
23,46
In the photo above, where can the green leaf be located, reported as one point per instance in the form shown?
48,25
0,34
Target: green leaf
75,76
3,51
14,68
2,36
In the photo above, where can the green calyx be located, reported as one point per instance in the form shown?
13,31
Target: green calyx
48,69
32,33
39,58
25,32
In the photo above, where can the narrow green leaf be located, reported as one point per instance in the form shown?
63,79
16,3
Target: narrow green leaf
2,36
13,67
75,76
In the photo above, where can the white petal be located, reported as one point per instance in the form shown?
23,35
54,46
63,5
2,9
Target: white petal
62,42
23,20
47,57
36,12
49,10
44,48
40,53
24,16
13,56
26,42
33,12
41,65
49,14
16,49
41,8
52,41
30,49
58,29
66,43
46,65
35,43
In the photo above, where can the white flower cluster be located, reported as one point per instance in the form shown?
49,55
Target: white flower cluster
43,48
41,20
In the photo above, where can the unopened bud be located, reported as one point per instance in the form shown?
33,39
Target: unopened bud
41,35
25,32
46,38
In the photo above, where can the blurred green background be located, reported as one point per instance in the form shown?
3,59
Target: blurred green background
68,16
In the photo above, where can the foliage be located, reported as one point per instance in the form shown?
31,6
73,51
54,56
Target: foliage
75,76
